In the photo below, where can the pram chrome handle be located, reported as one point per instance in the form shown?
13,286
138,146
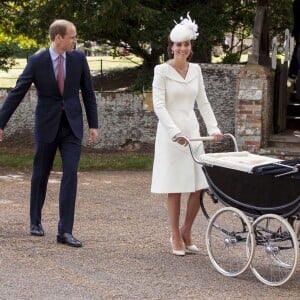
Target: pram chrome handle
293,169
236,148
211,138
204,138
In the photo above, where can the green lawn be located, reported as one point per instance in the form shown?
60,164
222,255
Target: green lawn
107,63
22,160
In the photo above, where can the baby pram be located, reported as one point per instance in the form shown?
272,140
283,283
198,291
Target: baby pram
261,198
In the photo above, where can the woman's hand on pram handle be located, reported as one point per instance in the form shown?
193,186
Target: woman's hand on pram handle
217,137
180,139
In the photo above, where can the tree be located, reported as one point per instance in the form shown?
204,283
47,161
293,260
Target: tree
143,25
240,24
280,17
12,44
6,49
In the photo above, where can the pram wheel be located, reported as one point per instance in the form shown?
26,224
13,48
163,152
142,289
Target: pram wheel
230,241
276,251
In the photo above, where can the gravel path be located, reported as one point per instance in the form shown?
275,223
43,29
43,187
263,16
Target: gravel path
126,251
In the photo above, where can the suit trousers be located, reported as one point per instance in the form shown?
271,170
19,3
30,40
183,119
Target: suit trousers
70,149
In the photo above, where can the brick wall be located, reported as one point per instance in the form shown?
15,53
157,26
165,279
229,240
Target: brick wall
126,120
254,107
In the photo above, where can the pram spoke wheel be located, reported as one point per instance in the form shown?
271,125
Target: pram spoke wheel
276,250
230,241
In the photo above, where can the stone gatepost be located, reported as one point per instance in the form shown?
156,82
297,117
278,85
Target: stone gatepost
253,117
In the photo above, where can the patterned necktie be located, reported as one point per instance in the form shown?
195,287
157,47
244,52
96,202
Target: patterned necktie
60,74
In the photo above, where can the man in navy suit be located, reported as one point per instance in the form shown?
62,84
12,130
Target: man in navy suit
58,122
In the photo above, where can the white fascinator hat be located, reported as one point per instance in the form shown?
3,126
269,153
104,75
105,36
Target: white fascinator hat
186,30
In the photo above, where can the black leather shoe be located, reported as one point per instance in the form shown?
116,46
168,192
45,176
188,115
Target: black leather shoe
68,239
37,230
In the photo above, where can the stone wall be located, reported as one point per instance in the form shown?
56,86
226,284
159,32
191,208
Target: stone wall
221,88
126,120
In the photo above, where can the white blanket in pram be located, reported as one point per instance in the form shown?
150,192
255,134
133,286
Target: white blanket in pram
242,161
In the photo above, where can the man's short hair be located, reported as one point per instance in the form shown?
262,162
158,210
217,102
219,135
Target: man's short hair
59,27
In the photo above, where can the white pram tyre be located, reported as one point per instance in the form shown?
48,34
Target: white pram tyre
230,241
276,250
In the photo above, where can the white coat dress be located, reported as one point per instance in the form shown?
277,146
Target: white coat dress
174,170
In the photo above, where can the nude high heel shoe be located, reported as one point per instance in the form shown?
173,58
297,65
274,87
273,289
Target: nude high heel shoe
176,252
192,249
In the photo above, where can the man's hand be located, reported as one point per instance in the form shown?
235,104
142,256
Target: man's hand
93,134
1,135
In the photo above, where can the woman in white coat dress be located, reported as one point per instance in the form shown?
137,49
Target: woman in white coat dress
177,84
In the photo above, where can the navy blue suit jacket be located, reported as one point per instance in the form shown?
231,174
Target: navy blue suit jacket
296,12
39,70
